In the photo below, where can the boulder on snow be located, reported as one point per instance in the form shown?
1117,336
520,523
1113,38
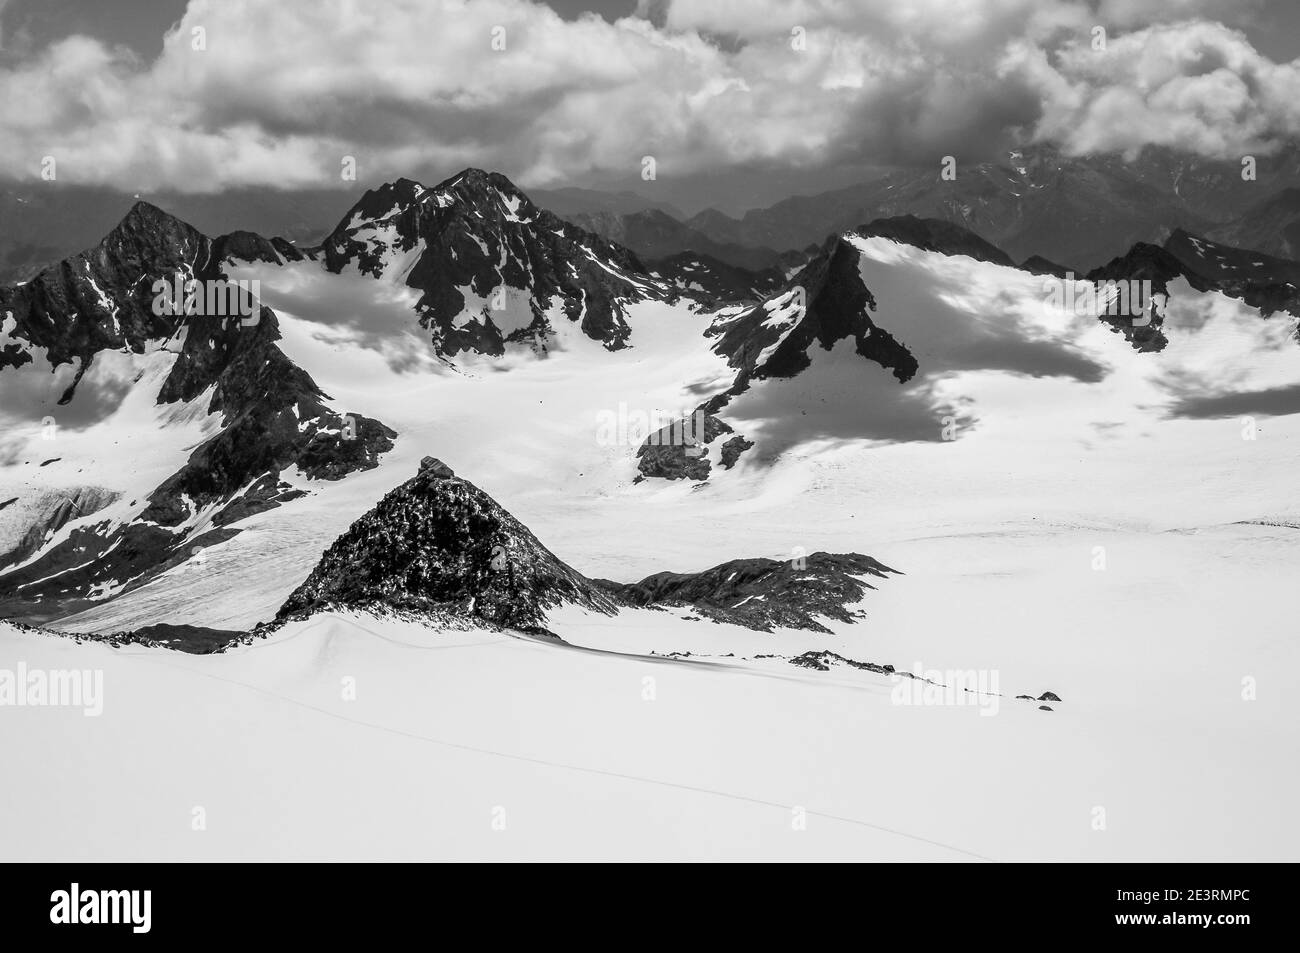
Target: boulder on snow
1049,697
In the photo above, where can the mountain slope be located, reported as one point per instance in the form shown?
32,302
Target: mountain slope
716,282
490,266
440,545
1272,226
825,303
131,373
1266,284
832,305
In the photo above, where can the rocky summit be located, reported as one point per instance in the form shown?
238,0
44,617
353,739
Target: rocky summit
490,266
439,545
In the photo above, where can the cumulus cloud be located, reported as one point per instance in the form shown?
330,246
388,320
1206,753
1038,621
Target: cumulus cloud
281,92
1195,86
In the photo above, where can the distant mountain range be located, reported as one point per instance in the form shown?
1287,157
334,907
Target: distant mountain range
1078,211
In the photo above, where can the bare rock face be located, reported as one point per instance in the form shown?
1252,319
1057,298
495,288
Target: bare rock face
488,250
1262,281
764,594
705,278
677,451
442,547
435,468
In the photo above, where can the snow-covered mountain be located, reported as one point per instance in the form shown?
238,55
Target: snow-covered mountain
439,545
222,424
489,265
832,300
472,279
138,437
1092,505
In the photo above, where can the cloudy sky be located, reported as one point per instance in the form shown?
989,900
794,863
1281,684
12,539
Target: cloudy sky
739,101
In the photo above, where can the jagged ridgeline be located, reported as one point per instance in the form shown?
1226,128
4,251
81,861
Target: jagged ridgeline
491,269
490,265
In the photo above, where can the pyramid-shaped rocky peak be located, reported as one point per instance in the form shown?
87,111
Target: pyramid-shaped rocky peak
440,546
149,232
103,297
491,266
826,302
823,304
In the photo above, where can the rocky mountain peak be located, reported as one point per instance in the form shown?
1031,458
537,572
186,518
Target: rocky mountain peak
439,545
492,267
824,303
273,415
382,202
473,182
148,238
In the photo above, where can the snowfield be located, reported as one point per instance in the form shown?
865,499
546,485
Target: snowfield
1106,525
114,439
604,754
